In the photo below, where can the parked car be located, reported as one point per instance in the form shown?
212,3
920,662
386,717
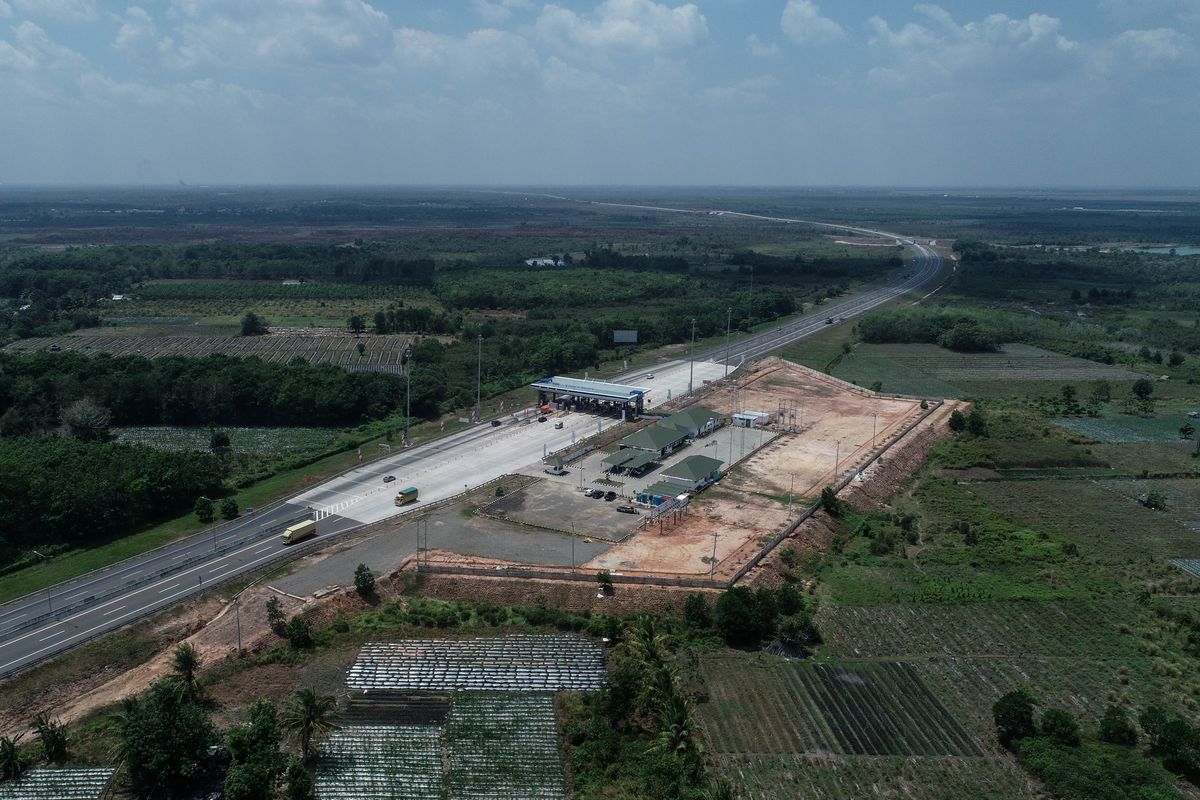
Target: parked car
495,423
597,494
588,492
389,478
627,509
541,419
558,425
610,496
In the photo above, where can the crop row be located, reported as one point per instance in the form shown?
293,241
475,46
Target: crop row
504,747
1014,629
839,778
52,783
865,709
379,351
362,762
521,663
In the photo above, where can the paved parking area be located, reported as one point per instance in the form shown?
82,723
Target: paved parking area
560,506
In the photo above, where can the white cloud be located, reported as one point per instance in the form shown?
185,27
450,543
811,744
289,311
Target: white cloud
1154,47
295,32
802,23
65,10
624,24
759,48
5,10
137,32
494,13
482,52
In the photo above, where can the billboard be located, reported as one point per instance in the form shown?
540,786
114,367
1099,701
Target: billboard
625,337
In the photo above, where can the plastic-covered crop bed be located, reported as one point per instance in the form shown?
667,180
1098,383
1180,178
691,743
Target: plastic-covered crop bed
504,747
366,762
522,663
49,783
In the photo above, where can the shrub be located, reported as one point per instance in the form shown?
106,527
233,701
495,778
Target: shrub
1013,715
204,510
299,633
958,422
274,614
696,614
229,508
364,581
1060,725
1117,728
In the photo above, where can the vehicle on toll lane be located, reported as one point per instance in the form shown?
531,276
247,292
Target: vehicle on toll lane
299,532
406,495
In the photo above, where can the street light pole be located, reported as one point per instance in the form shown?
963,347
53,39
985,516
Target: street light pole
692,357
407,393
478,376
874,423
728,317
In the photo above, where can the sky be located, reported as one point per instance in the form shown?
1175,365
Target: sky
1036,93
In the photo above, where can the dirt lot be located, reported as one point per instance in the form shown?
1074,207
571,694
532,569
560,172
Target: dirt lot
753,501
834,422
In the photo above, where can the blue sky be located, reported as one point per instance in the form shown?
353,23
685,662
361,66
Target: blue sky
777,92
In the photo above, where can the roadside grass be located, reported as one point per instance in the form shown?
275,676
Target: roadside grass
821,350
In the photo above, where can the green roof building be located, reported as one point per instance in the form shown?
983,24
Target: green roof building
693,472
657,439
696,421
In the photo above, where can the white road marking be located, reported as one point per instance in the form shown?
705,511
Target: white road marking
169,588
53,635
114,611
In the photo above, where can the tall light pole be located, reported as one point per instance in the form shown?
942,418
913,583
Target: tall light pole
407,393
728,317
478,376
874,424
692,357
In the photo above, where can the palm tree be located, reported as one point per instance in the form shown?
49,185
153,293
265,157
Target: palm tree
185,663
676,727
53,737
307,715
12,760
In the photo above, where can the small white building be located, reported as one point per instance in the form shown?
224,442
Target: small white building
545,262
751,419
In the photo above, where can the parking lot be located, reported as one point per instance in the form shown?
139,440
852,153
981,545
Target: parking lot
560,506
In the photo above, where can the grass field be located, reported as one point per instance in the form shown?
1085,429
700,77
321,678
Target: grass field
927,369
1126,428
267,441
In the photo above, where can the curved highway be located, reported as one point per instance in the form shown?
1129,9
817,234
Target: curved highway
43,624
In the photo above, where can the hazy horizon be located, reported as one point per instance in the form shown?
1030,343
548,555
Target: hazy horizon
858,94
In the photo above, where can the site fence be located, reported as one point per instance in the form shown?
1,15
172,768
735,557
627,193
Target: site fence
563,575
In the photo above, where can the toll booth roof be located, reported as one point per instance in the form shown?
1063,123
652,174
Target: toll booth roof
596,390
618,458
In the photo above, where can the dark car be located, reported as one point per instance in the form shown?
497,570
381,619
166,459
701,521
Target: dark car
597,494
495,423
541,419
627,509
610,496
389,478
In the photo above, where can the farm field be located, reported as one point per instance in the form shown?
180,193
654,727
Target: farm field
929,370
1101,516
381,353
267,441
364,762
59,783
1126,428
504,747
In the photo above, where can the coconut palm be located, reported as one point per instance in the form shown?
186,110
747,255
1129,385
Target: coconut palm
185,663
307,715
676,727
52,735
12,760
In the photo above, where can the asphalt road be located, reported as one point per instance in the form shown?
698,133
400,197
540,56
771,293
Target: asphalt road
41,625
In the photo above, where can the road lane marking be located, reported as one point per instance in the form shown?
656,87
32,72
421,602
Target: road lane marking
53,635
222,569
169,588
264,549
114,611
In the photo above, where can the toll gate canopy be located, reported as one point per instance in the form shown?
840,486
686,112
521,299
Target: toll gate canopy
588,395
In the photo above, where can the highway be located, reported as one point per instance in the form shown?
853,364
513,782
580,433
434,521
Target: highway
51,621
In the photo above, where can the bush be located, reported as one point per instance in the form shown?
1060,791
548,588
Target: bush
1013,715
696,614
958,422
1094,771
734,619
299,633
364,581
1117,728
229,508
204,510
274,614
1059,725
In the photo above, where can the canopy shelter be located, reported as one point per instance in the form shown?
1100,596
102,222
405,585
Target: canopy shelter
630,400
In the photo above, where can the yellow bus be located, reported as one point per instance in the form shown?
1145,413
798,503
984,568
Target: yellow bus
406,496
299,532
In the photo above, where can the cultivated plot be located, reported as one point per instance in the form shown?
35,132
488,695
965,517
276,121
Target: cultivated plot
1128,429
521,663
504,747
380,353
51,783
362,762
872,708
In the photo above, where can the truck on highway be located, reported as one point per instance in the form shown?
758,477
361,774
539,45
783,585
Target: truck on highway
299,532
406,495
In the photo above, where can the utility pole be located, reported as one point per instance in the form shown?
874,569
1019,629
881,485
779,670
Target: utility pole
407,393
837,459
874,423
728,318
478,376
692,356
237,610
712,562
